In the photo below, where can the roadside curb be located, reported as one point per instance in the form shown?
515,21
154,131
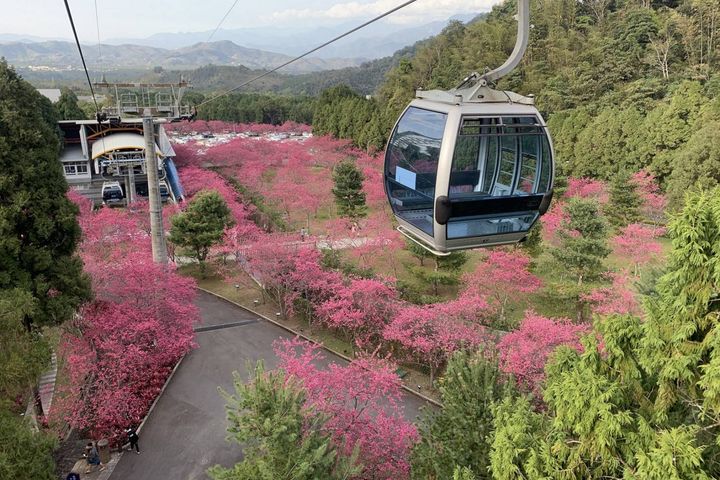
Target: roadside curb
105,474
308,339
162,390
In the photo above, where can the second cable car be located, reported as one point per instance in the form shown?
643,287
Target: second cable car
471,167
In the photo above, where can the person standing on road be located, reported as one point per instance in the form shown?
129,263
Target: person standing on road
133,437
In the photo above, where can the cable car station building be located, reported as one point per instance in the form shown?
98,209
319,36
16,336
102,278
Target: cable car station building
95,154
104,159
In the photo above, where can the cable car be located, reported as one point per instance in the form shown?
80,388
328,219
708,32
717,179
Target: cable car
470,167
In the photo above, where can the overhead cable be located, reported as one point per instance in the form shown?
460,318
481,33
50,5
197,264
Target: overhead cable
97,27
82,57
221,21
263,75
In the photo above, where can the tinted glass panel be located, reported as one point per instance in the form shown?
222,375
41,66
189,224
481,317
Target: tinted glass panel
497,157
483,225
411,164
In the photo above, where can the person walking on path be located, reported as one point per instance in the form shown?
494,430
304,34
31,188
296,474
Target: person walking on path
133,438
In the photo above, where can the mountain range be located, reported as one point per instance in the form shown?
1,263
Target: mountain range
254,48
376,40
59,55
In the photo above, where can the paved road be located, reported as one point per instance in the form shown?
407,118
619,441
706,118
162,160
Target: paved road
186,432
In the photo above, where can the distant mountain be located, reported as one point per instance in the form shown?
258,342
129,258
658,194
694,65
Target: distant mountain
377,40
58,55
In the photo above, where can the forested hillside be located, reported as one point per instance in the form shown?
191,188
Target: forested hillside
624,84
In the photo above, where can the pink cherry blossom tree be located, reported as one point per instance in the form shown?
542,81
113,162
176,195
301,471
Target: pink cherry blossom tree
654,201
360,310
524,352
428,335
552,221
637,243
123,344
363,402
618,298
501,276
587,188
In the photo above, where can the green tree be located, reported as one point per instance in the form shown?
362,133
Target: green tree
281,439
583,240
38,226
25,453
417,251
201,225
646,402
463,473
348,190
697,162
23,354
624,205
533,241
67,106
458,435
446,271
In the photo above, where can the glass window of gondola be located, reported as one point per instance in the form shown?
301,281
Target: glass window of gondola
501,168
411,165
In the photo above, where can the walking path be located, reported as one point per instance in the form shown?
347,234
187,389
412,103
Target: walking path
47,385
186,432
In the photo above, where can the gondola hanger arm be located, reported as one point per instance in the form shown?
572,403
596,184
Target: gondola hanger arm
521,43
474,88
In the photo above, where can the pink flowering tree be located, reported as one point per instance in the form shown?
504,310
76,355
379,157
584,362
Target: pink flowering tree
524,352
428,335
360,310
502,276
618,298
123,344
587,188
291,274
363,403
271,262
552,222
654,201
375,243
637,243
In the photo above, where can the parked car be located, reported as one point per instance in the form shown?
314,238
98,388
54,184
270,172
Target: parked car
112,194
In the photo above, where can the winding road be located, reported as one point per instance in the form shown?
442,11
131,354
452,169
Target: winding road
185,434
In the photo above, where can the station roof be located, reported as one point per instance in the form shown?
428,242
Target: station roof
119,141
53,94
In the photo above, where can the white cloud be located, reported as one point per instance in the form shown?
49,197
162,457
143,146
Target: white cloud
420,11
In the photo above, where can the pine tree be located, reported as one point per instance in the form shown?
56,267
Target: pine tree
202,225
533,241
25,454
280,438
417,251
644,403
348,190
583,240
38,227
458,434
41,278
624,205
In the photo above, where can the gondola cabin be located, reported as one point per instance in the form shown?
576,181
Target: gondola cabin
468,168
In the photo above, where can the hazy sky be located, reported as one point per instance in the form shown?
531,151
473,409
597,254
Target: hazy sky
142,18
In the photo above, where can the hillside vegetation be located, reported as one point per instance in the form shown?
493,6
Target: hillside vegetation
624,84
